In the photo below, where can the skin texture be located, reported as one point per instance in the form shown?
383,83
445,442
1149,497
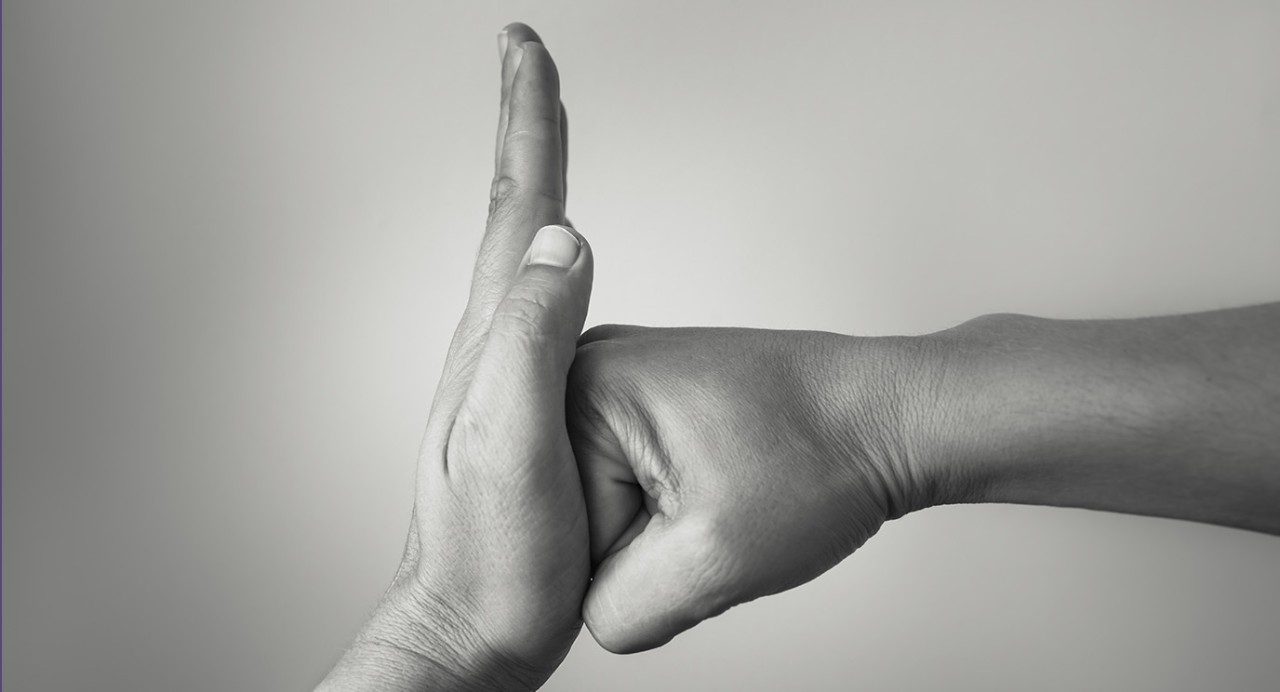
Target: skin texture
496,563
715,472
1175,416
647,479
721,465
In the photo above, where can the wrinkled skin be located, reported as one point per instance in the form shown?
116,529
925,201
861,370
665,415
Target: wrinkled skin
490,590
721,465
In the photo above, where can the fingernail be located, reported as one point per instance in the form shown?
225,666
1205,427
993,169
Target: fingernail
502,45
554,246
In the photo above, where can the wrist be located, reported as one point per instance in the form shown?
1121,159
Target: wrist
968,378
1168,416
1010,400
869,397
418,640
944,418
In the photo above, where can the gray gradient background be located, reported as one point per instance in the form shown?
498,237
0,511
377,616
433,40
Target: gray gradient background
237,236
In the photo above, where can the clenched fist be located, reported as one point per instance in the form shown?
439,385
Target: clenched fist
721,465
644,480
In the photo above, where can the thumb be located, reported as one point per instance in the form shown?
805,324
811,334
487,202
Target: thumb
533,334
672,576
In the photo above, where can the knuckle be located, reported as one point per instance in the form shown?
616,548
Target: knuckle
584,388
507,193
598,333
605,332
604,363
598,378
501,192
588,364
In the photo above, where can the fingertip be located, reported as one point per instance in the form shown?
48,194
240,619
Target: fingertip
519,32
610,629
541,66
605,625
586,257
568,228
531,149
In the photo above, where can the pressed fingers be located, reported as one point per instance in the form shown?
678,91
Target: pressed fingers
528,186
527,193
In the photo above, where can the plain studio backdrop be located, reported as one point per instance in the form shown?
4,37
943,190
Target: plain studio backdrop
237,237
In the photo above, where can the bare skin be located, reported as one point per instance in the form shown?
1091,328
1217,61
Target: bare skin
647,479
490,589
721,465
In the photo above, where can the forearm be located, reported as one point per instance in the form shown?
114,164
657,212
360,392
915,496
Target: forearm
1173,416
